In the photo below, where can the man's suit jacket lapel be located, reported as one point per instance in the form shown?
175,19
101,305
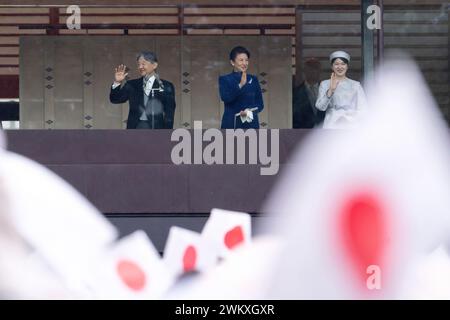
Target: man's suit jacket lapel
155,84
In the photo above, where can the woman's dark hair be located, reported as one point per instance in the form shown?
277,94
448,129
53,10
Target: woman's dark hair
343,59
237,51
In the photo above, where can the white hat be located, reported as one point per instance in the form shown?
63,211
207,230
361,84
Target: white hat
340,54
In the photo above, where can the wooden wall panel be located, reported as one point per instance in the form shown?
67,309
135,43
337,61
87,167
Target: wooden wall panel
169,57
68,87
279,107
424,34
206,64
127,3
10,86
32,83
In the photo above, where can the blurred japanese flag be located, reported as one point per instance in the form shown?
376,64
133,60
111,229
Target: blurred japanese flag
56,222
244,274
246,264
227,230
186,251
129,269
359,207
23,274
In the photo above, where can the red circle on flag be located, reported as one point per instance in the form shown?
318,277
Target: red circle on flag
234,237
363,230
189,259
131,274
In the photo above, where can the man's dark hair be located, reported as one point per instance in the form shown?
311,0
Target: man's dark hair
237,51
148,56
312,64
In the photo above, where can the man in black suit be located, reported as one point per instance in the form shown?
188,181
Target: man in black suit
151,99
304,111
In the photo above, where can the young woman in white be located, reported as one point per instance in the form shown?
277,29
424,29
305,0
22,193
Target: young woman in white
342,98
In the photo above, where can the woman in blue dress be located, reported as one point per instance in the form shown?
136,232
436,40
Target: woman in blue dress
241,93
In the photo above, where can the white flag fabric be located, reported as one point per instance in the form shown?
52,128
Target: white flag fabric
22,277
53,218
22,274
129,269
429,277
244,274
245,266
187,251
357,207
227,230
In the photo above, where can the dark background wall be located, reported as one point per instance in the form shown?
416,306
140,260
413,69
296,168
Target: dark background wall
130,177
